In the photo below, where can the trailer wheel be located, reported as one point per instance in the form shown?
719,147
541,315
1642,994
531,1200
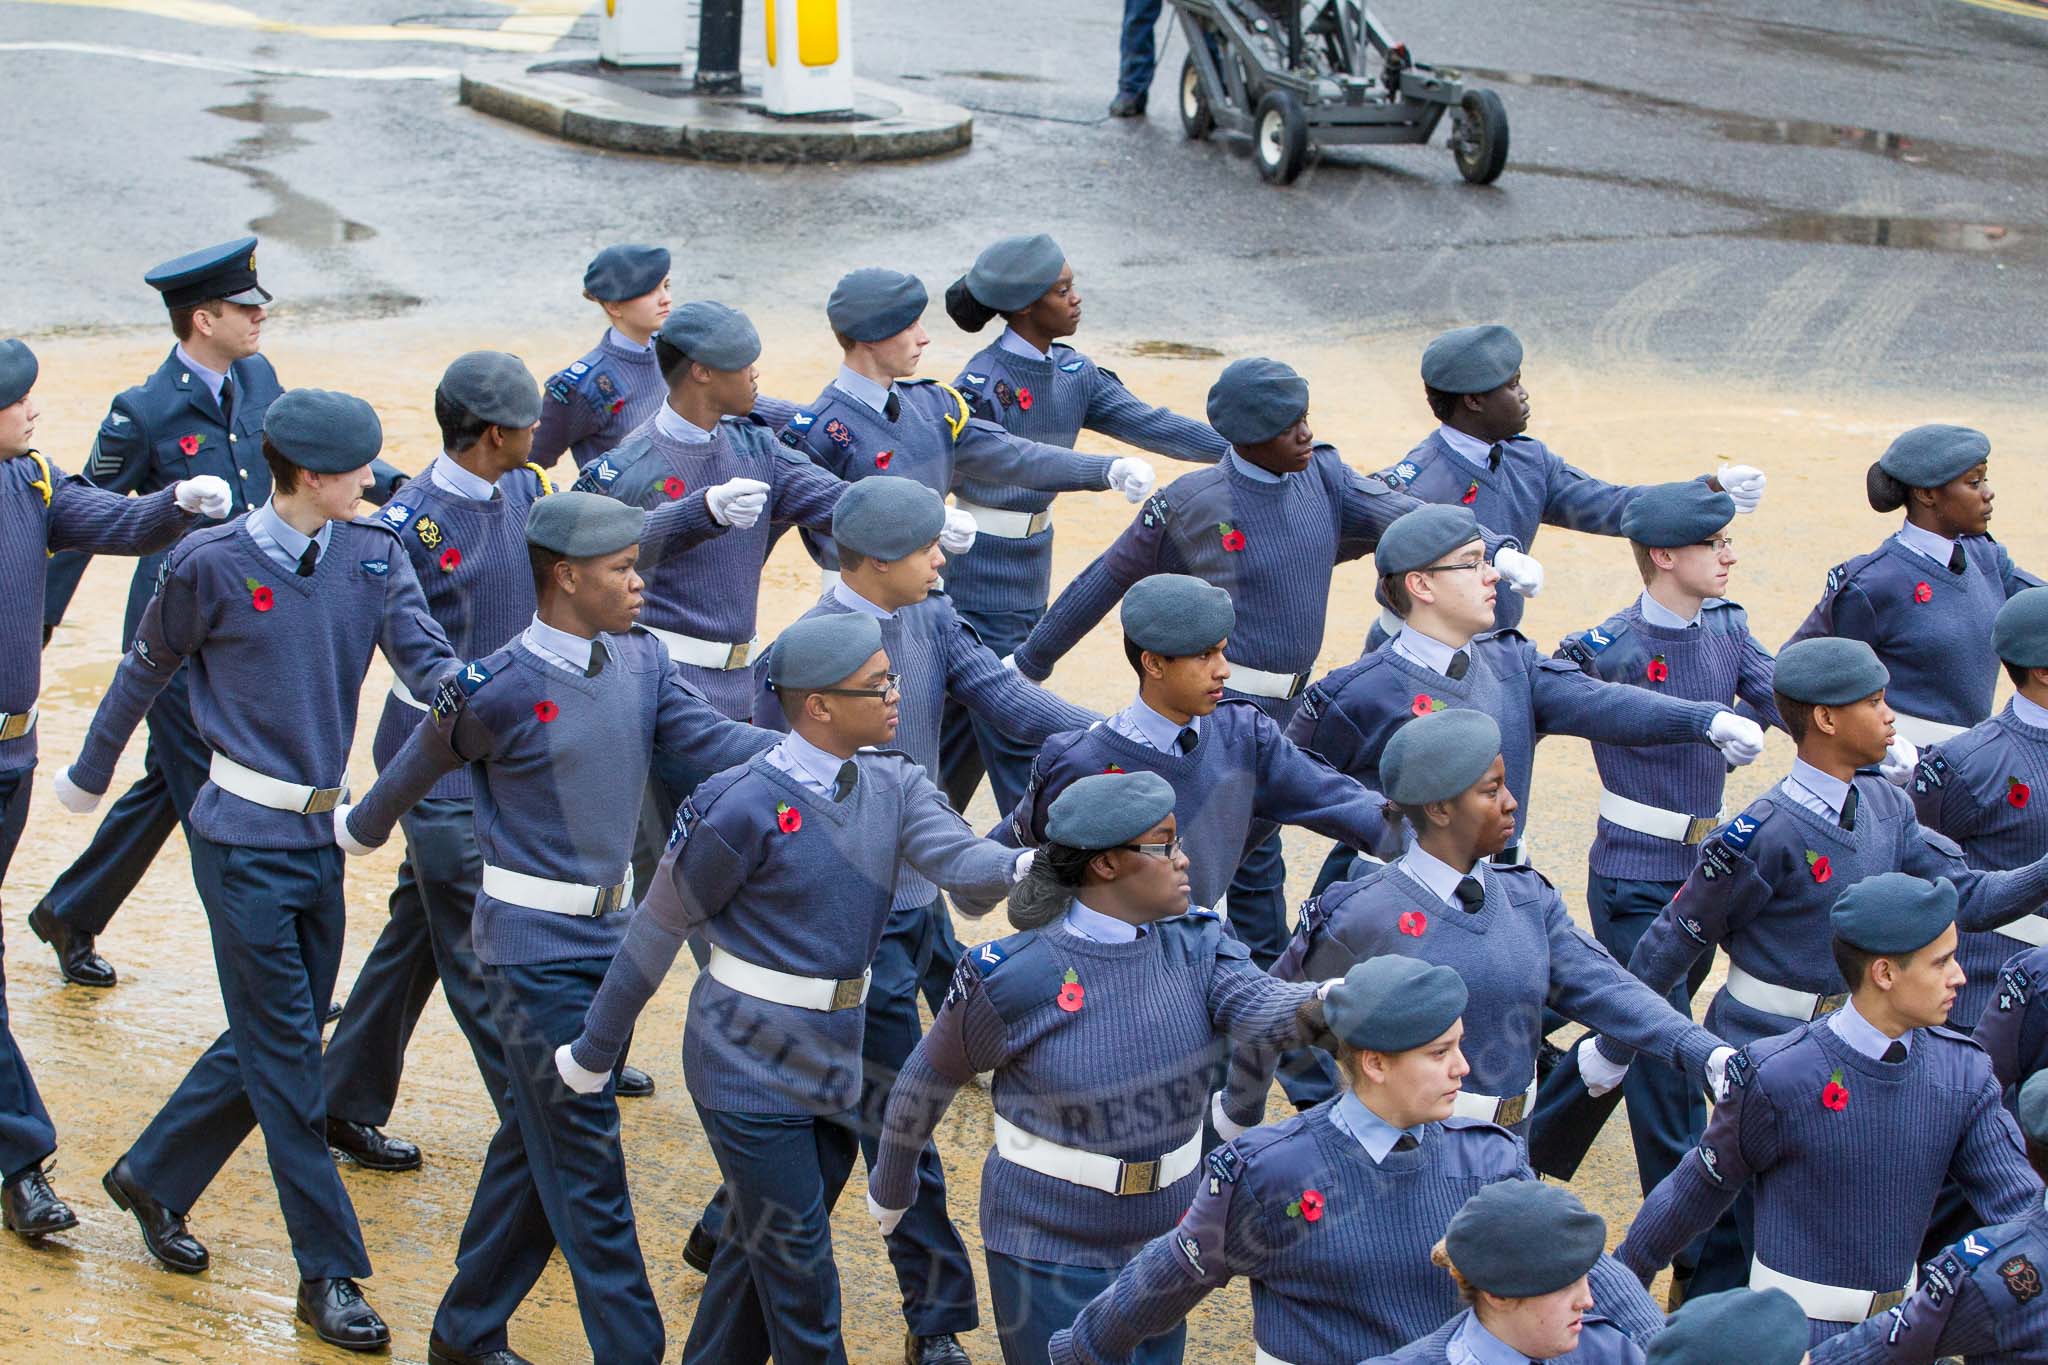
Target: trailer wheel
1479,137
1280,137
1196,120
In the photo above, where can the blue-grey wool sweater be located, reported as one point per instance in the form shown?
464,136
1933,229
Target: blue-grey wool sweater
276,662
1600,1343
42,510
1050,401
2013,1025
1843,1195
788,879
1125,1075
550,753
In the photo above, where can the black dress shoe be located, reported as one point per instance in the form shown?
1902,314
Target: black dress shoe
369,1147
30,1207
340,1316
80,965
939,1350
699,1249
163,1231
1123,106
440,1352
333,1013
634,1083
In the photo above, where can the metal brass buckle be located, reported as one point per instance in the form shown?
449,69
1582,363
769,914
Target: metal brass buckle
847,994
16,725
736,657
609,899
1700,828
1884,1303
1038,522
1294,689
1137,1177
1828,1004
1511,1110
323,800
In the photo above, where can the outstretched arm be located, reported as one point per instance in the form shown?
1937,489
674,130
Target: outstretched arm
1097,588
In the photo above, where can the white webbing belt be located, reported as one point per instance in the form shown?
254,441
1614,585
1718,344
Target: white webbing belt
276,793
1827,1302
994,521
2028,929
557,898
13,725
1783,1001
1097,1172
1674,825
688,649
1924,732
1493,1109
405,698
1260,683
786,988
1262,1356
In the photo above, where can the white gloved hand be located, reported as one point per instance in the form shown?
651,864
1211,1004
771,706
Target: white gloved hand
737,502
885,1219
1225,1129
1010,662
956,537
1132,478
1743,483
1323,991
205,494
1717,1072
1522,573
343,840
1740,740
1022,865
1899,761
575,1077
1599,1074
73,797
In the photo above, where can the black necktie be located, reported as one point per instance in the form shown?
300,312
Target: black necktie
1471,895
309,559
1493,456
1896,1052
891,406
596,664
1956,561
1186,739
1849,810
842,787
1406,1143
1459,663
227,402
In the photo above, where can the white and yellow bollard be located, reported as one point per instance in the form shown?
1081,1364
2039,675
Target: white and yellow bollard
810,57
642,32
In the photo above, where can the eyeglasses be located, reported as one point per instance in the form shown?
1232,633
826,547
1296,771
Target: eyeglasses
1165,850
1469,567
1719,545
892,684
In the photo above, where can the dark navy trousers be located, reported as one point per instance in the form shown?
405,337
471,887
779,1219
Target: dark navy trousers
424,943
554,1175
26,1134
969,746
276,917
1258,917
773,1288
1138,55
1034,1299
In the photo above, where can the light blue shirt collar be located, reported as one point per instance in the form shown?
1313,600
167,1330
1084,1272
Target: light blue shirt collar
1252,471
283,542
1438,877
1472,1344
1368,1129
1155,729
1817,791
1083,922
1923,541
1469,448
626,343
1862,1035
2028,713
212,378
1432,653
1655,613
1016,345
449,475
847,597
860,387
677,427
807,763
565,651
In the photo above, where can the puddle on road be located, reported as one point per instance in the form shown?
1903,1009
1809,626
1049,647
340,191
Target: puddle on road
1171,350
297,218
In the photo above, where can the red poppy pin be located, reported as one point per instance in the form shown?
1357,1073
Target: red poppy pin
1819,866
1023,398
451,559
1424,704
1308,1208
2017,793
673,486
1471,493
618,405
1113,768
1233,539
1072,992
1922,593
259,596
1834,1095
882,458
189,445
1413,922
545,711
788,818
1658,671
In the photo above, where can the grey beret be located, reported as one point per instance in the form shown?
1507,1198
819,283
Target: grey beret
1418,538
873,304
887,518
1893,912
1668,515
1108,810
17,371
1256,399
1829,670
583,525
493,386
1393,1003
821,651
2033,1108
1016,272
1177,614
2019,633
1521,1238
619,273
324,431
1437,756
1766,1327
1929,456
713,335
1472,359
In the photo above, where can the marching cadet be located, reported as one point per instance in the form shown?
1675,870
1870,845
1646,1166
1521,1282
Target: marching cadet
873,418
1480,457
1980,1298
1268,525
551,726
1764,1327
1030,385
1099,1021
1504,929
1520,1253
786,864
1925,600
1868,1108
2013,1029
42,510
1332,1214
190,417
293,595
